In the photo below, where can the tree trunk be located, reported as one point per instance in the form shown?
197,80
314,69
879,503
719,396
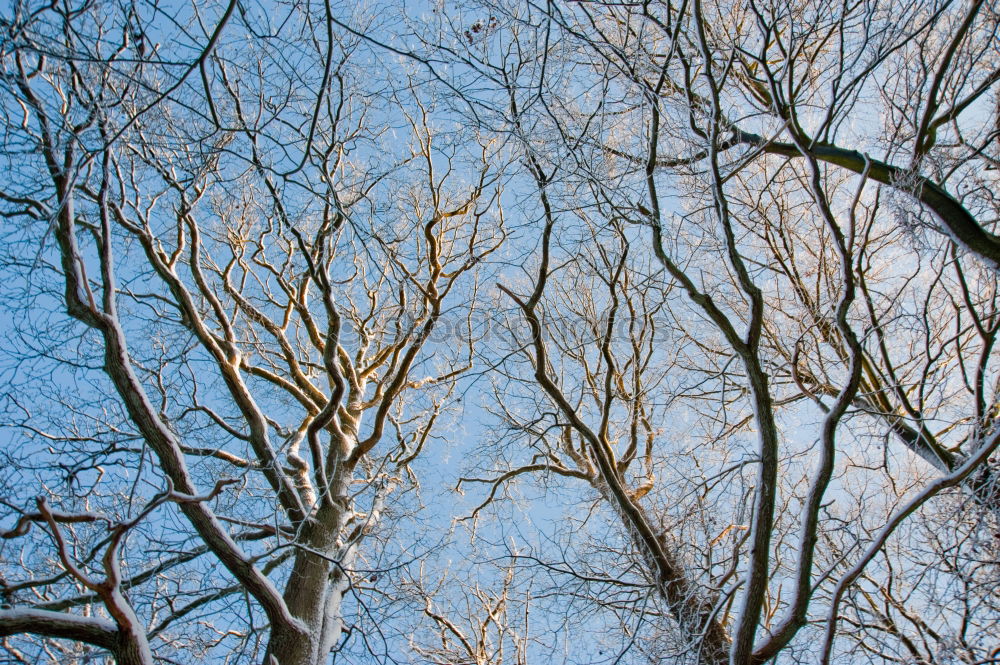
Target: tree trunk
315,588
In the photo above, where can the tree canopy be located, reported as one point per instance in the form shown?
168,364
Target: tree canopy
500,333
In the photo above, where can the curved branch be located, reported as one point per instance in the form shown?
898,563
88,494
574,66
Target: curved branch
59,625
954,479
958,223
513,473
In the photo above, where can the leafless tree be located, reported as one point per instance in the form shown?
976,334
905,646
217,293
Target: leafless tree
744,139
745,333
256,228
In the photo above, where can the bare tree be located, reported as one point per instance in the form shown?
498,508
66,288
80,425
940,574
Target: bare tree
746,330
813,294
256,249
488,627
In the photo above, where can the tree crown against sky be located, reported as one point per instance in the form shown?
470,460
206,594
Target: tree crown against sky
500,333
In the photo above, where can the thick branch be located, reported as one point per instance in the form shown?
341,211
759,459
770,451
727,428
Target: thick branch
958,222
60,625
